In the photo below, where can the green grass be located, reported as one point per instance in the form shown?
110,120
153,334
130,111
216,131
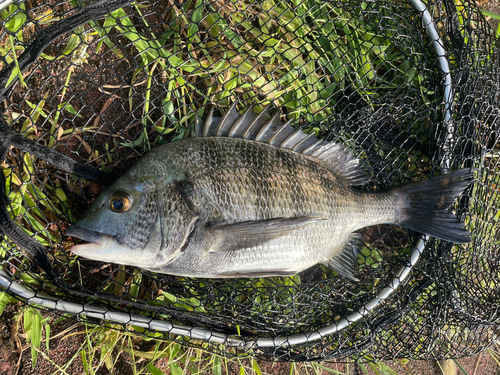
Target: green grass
495,16
301,67
100,348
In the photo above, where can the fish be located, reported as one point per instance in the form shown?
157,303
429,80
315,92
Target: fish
248,195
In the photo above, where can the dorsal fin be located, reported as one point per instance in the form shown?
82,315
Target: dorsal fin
208,123
282,133
269,128
295,139
227,122
255,124
241,123
196,131
263,128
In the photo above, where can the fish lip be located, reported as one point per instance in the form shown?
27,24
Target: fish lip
94,237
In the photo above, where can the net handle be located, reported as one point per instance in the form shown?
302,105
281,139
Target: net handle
98,312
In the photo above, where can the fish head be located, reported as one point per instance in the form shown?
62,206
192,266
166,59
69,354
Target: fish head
122,225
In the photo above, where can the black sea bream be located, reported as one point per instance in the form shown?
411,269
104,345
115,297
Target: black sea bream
249,196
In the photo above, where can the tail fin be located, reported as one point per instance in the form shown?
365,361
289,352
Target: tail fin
423,205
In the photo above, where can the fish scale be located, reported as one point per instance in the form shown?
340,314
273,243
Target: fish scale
249,196
232,188
257,202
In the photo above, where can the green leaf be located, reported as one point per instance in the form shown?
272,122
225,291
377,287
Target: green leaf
36,337
217,366
168,109
491,14
68,107
154,370
60,194
174,349
4,300
15,22
198,12
255,366
28,164
169,297
175,61
386,369
108,356
330,370
175,368
137,142
83,355
47,336
73,42
47,57
28,322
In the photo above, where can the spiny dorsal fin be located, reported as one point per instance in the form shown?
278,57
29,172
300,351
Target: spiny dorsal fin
196,131
241,124
255,123
263,128
227,122
269,129
209,123
282,133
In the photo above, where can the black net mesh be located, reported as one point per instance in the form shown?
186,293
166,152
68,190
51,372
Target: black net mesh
105,82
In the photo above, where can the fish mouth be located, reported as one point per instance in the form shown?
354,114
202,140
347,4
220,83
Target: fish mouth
96,239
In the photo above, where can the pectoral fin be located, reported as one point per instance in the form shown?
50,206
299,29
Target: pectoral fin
250,234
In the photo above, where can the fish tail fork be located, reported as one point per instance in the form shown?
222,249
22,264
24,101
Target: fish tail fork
422,206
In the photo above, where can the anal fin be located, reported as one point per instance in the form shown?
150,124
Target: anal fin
343,262
259,273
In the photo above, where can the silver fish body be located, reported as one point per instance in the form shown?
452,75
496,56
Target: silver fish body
245,204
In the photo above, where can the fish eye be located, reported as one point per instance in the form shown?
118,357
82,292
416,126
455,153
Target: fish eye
120,202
